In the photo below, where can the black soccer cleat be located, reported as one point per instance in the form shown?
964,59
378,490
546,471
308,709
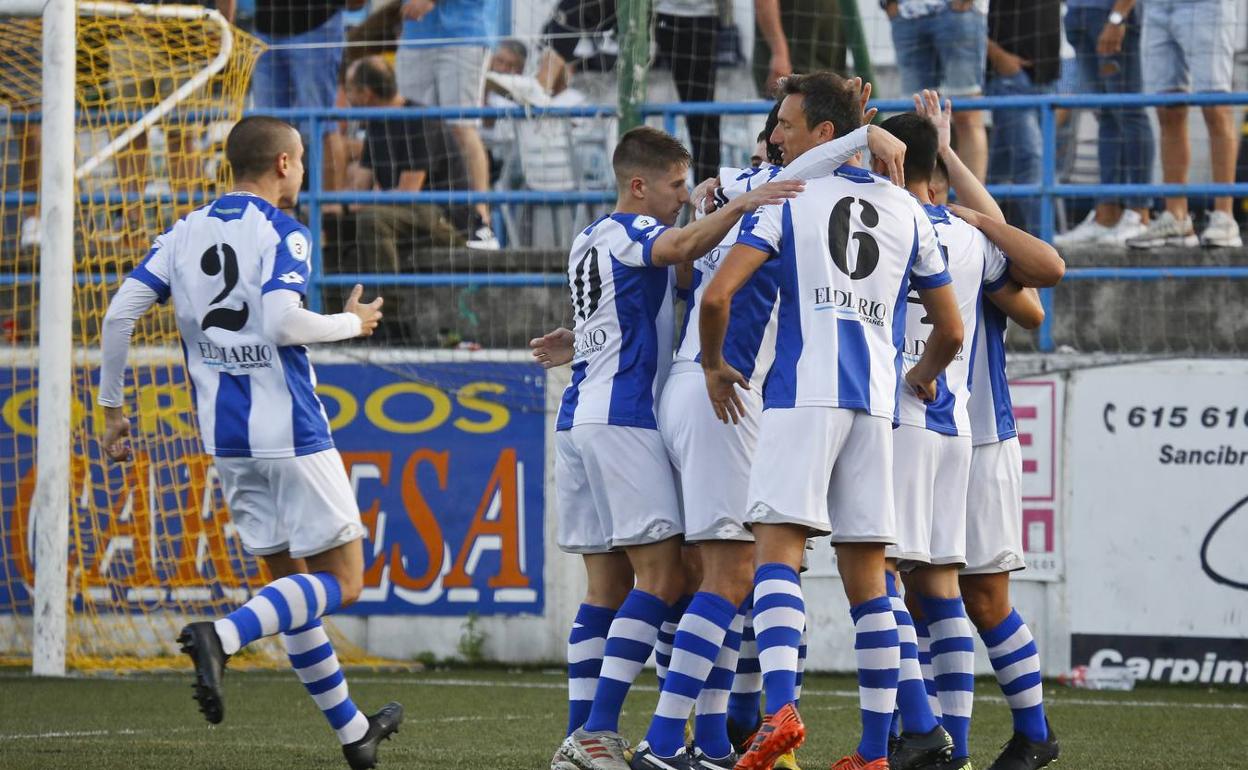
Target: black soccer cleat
201,643
363,753
1022,753
740,735
920,751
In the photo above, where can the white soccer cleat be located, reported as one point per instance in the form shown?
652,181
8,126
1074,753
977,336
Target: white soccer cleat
603,750
1222,231
1086,232
1130,225
1166,230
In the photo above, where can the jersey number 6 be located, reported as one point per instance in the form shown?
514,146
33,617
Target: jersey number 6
838,239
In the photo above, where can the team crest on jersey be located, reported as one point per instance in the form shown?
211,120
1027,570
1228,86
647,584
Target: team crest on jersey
291,277
644,223
297,245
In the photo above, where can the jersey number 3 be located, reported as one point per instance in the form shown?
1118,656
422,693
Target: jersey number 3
221,260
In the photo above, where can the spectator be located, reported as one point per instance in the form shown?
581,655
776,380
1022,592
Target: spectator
1024,54
509,57
409,155
942,44
1189,45
436,74
1106,37
796,36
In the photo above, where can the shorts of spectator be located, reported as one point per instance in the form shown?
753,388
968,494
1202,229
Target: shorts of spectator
940,47
443,76
1189,45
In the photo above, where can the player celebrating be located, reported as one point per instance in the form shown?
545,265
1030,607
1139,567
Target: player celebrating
824,448
236,270
614,485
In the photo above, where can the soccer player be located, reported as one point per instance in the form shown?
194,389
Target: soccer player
237,270
614,485
847,249
994,545
931,466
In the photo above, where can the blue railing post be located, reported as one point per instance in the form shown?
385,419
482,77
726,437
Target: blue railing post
315,177
1048,131
669,122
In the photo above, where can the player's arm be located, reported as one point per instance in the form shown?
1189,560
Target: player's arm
685,244
943,342
287,322
128,305
767,14
829,156
1033,263
971,192
1021,304
741,263
554,348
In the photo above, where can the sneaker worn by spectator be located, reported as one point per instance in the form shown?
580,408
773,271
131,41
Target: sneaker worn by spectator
1130,225
1222,231
1166,230
483,238
1087,231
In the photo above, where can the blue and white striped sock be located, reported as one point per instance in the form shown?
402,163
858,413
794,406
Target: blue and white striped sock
801,666
746,697
316,665
667,635
925,666
953,663
916,714
1016,662
629,643
878,654
585,647
289,602
696,645
710,728
779,617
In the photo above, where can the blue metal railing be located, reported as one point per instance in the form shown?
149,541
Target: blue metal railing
312,121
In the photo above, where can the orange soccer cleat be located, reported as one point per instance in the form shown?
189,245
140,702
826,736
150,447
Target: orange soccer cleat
779,734
856,762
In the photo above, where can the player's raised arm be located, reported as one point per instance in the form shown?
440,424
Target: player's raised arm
685,244
971,192
1033,263
1021,304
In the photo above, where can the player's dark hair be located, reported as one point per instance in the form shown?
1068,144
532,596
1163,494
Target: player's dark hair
940,174
516,47
375,74
644,149
826,96
774,156
255,142
921,142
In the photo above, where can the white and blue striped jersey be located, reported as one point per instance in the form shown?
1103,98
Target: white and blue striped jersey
991,410
625,324
974,263
253,397
849,248
749,345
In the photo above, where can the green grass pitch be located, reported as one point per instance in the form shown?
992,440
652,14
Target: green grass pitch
497,719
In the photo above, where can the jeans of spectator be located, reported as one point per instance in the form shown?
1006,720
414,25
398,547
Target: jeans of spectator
690,43
1016,148
1125,146
301,70
397,239
944,50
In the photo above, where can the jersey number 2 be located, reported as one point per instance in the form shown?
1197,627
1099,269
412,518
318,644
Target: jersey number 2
221,260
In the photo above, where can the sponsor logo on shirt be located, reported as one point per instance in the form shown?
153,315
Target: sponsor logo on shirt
236,357
291,277
588,342
849,306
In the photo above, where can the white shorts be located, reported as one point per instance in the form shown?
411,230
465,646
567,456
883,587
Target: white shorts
994,509
930,475
614,488
304,505
712,460
829,470
443,76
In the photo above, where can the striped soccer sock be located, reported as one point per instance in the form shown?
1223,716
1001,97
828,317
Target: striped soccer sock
629,643
667,635
779,617
710,729
695,648
746,697
316,665
289,602
585,647
801,666
925,666
878,653
953,663
1016,662
916,713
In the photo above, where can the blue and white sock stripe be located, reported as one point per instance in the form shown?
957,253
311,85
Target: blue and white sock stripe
714,696
779,617
749,675
697,644
315,663
584,665
908,639
925,665
630,641
667,636
878,656
801,663
288,602
953,662
1016,661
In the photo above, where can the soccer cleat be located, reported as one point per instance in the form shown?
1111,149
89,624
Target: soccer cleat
955,763
741,735
1222,231
703,762
856,762
917,751
781,733
1086,232
1022,753
201,643
603,750
786,761
1166,230
645,759
363,753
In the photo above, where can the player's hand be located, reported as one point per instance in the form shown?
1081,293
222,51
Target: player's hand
970,216
769,194
554,348
116,431
863,89
925,390
888,148
779,67
415,10
721,384
370,313
1109,42
704,195
927,104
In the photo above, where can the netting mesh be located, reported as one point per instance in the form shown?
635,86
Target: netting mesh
150,543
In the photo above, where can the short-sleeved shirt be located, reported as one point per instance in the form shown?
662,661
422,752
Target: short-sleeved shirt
253,397
476,20
284,18
976,265
1031,29
624,324
914,9
849,246
416,144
